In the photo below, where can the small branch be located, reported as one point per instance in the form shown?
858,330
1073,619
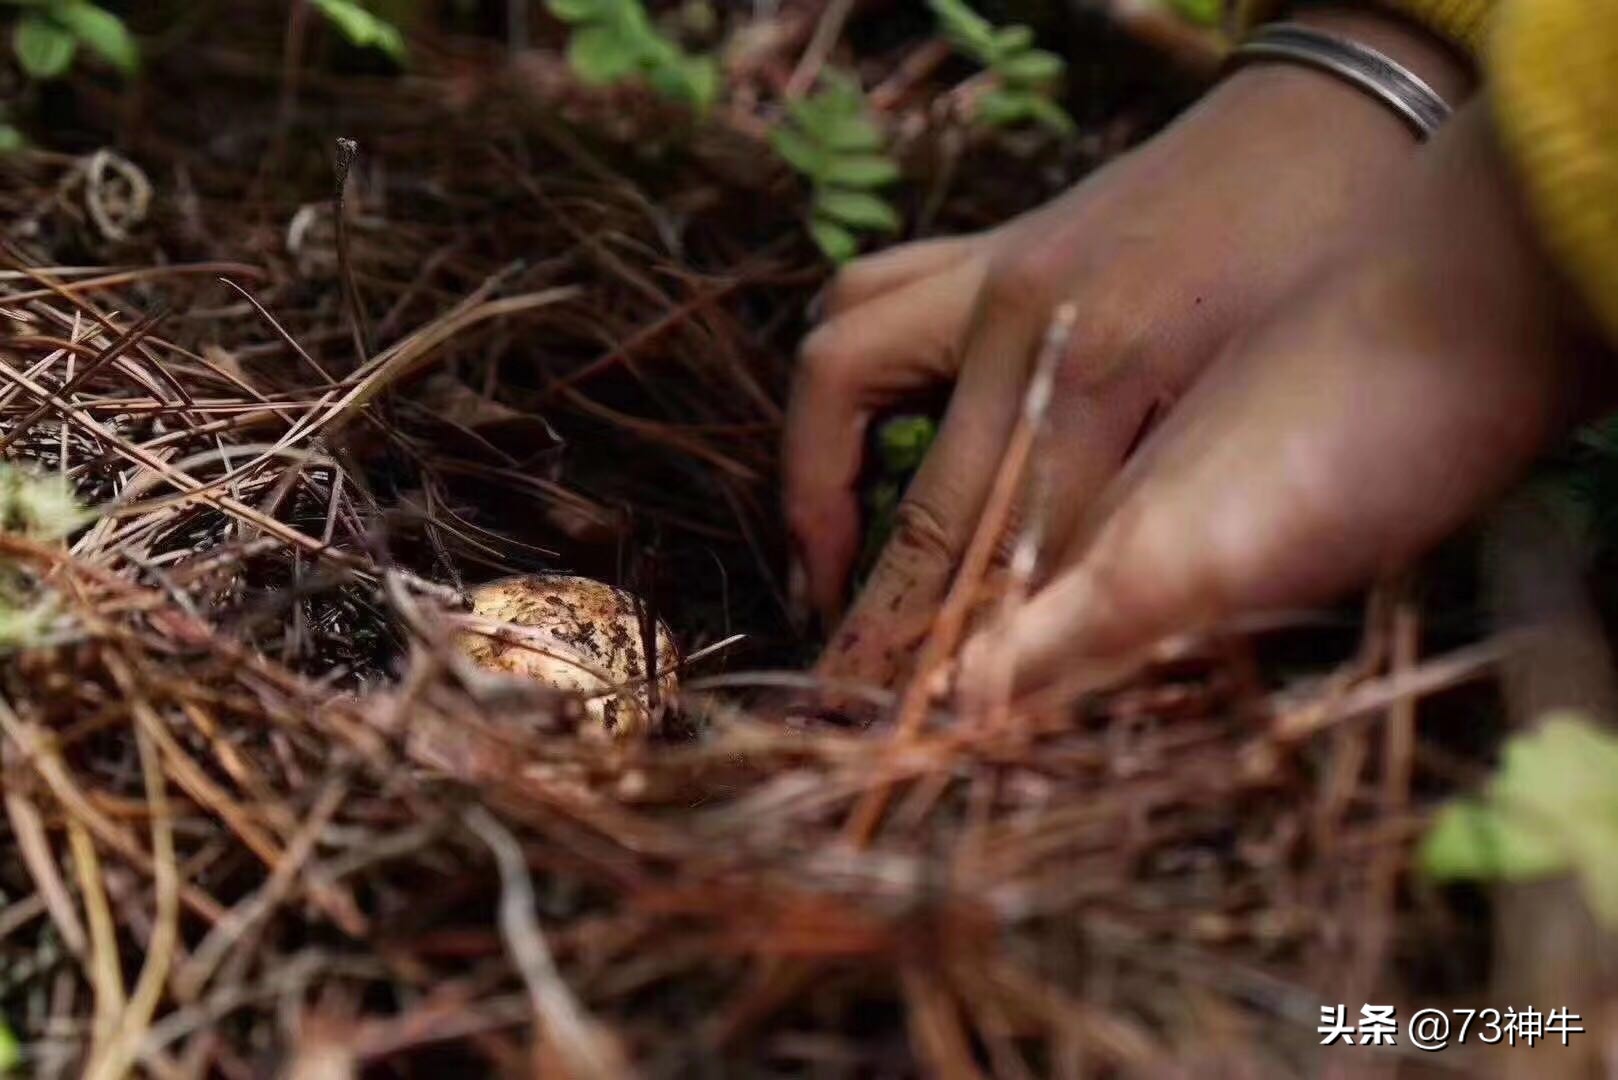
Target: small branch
583,1047
827,31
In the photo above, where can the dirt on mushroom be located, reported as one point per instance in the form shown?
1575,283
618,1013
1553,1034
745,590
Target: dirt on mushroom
584,638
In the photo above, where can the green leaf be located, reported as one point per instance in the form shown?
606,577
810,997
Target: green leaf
10,1051
575,11
1201,12
693,79
838,244
971,32
44,48
38,505
362,28
1031,68
1002,108
903,441
11,140
859,209
798,151
99,30
840,93
837,130
1010,40
829,139
881,504
1551,808
25,628
1051,115
1471,840
1008,52
706,80
616,39
835,118
598,54
859,170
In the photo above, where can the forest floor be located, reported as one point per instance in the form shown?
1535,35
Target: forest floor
260,821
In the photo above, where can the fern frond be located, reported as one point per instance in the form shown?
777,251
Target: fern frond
1026,76
614,40
829,138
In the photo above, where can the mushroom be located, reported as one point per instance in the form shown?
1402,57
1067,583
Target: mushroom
579,636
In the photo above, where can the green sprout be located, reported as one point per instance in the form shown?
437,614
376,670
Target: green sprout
830,140
49,33
1550,809
10,1052
901,443
363,28
47,37
1026,77
1200,12
40,508
615,40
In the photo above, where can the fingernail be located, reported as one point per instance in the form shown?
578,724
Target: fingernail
816,307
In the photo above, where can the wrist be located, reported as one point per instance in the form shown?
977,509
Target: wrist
1424,53
1300,97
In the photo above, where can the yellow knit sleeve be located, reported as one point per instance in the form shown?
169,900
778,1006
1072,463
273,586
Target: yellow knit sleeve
1553,80
1551,71
1461,21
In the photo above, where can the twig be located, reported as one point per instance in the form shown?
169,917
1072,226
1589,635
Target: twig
35,848
963,596
106,972
347,150
584,1049
194,974
124,1046
827,31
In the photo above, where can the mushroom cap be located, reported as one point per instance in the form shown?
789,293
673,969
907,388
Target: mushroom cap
588,642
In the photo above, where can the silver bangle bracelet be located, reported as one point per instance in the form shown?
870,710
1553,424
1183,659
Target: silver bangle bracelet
1376,73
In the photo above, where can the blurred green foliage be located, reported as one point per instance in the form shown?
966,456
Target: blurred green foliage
1550,809
363,28
830,140
1201,12
901,444
1025,77
41,508
614,40
49,33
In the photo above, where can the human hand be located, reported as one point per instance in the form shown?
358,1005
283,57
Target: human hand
1409,379
1166,253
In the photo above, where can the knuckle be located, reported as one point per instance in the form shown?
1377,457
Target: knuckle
847,286
804,517
825,360
920,535
1106,343
1021,280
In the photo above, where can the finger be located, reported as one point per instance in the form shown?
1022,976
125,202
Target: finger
1330,452
1100,409
935,520
848,368
869,278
